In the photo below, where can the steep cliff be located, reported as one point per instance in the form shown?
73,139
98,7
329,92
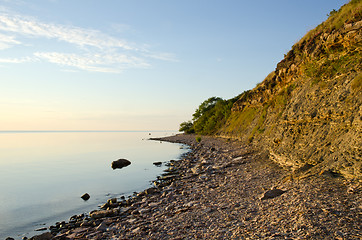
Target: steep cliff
307,114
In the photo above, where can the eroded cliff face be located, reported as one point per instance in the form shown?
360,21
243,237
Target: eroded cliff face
307,114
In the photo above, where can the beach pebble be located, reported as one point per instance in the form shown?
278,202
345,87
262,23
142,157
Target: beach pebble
224,203
101,227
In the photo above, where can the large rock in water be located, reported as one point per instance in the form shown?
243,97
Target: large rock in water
85,196
120,163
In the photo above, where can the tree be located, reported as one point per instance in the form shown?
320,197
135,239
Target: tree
205,106
187,127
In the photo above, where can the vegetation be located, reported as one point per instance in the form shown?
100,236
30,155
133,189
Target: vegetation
351,12
187,127
357,83
209,116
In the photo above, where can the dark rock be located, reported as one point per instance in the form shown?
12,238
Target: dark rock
85,197
157,164
104,213
272,194
151,191
44,236
330,173
41,229
9,238
102,227
120,163
111,203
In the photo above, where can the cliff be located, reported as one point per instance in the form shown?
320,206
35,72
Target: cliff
307,113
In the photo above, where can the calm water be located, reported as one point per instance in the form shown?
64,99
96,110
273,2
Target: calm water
43,174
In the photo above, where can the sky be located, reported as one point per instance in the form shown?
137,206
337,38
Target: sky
138,64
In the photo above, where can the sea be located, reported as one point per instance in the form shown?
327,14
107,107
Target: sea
43,174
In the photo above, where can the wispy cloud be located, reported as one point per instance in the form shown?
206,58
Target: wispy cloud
17,60
7,41
96,51
162,56
94,62
29,26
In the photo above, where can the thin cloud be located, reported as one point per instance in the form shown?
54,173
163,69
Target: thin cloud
17,60
94,62
28,26
96,51
162,56
7,41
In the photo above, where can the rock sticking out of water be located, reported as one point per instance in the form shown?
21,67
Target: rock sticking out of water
120,163
157,164
85,196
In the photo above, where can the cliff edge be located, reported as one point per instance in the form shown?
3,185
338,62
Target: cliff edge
307,113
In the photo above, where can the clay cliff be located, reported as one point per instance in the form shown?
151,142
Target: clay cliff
307,113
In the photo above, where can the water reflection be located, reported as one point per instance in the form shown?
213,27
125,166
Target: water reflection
43,175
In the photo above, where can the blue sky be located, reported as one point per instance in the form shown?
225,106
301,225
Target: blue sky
138,64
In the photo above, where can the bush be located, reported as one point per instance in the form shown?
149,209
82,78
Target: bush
210,116
187,127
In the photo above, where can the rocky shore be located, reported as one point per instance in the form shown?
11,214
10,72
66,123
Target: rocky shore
225,190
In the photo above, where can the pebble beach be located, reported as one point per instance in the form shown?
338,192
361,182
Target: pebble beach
223,189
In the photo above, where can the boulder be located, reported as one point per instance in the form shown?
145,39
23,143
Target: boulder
120,163
157,164
85,196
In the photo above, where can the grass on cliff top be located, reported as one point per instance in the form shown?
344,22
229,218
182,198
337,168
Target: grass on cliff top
348,13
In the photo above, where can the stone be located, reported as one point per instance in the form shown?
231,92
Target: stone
111,203
157,164
272,193
44,236
120,163
104,213
136,230
102,227
85,196
151,191
41,229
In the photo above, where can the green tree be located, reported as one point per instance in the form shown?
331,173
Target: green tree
209,116
187,127
205,106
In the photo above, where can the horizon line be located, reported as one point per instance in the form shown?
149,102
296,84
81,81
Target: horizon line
24,131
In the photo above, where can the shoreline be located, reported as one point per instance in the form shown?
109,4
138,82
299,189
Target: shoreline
220,190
